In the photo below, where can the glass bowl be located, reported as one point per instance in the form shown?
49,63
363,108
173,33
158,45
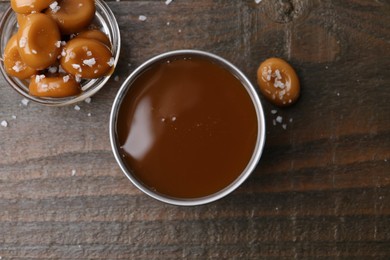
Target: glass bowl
104,20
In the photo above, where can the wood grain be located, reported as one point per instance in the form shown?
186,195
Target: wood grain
321,189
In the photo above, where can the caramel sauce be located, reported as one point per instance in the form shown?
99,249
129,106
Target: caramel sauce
187,127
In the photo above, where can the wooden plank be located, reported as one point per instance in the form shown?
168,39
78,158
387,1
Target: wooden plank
321,190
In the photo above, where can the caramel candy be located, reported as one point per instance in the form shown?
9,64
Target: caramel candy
21,18
96,35
73,15
38,38
86,58
278,82
30,6
58,86
13,63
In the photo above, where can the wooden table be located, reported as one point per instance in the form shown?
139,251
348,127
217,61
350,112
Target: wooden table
321,189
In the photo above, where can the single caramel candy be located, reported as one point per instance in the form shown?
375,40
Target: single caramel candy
38,39
57,86
13,63
86,58
30,6
278,82
73,15
96,35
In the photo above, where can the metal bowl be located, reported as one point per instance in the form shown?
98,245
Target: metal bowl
260,134
104,20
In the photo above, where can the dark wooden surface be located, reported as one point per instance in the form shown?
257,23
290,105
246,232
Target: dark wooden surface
321,189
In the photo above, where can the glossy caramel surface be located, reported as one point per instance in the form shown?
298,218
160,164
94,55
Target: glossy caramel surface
187,128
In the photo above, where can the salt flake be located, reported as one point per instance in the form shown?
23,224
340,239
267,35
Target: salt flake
111,62
90,62
25,102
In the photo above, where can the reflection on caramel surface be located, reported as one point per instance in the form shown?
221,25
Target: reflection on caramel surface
187,128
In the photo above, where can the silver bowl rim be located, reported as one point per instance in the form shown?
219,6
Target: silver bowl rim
260,134
116,48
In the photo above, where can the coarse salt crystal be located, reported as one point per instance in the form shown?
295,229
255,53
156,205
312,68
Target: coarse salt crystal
52,69
89,114
78,78
142,18
277,74
73,172
288,86
167,2
279,119
58,44
25,102
4,123
65,78
38,78
281,94
90,62
116,78
274,111
13,117
76,66
77,108
54,7
88,100
111,62
18,66
257,1
284,126
89,53
278,84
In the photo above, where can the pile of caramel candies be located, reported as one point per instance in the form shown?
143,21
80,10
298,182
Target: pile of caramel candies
55,46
